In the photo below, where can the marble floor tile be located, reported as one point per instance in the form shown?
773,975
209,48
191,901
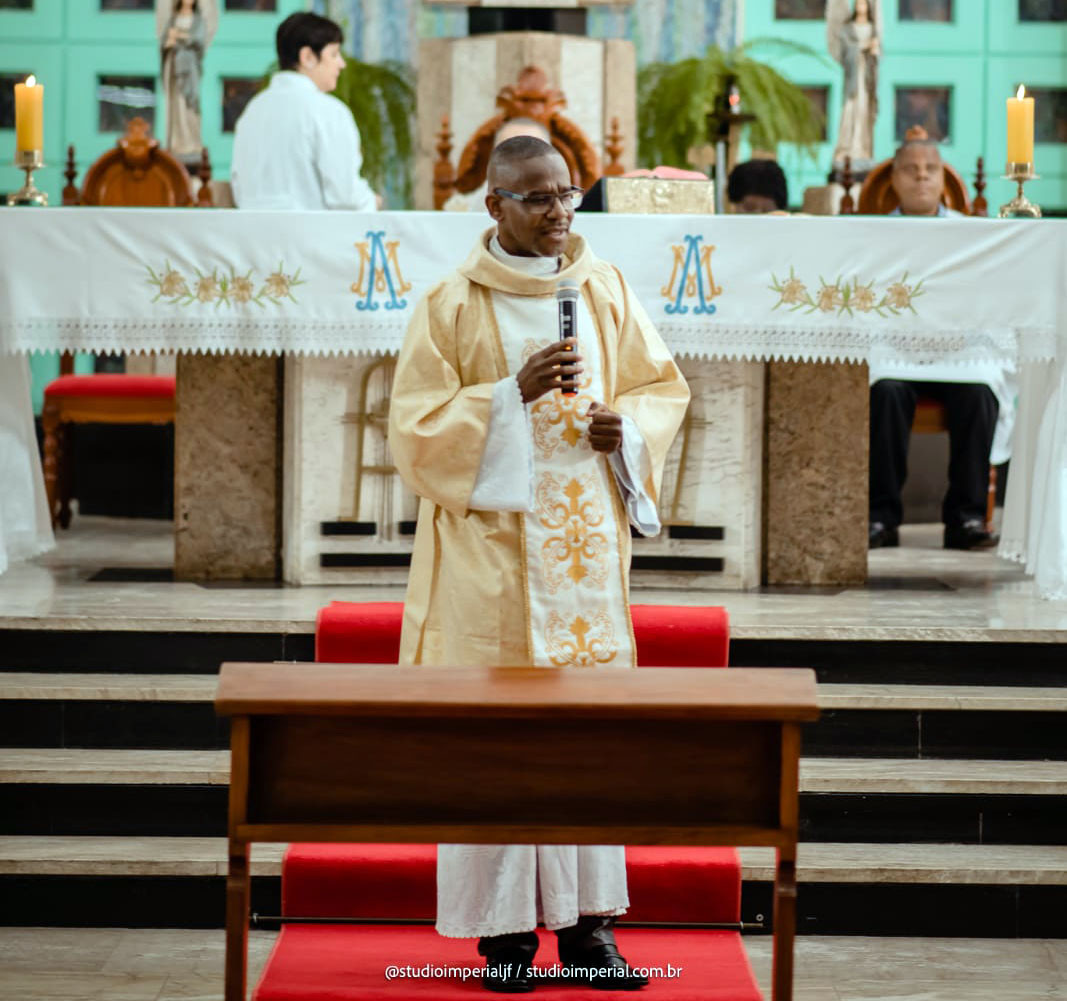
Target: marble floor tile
1023,988
1057,950
67,949
46,985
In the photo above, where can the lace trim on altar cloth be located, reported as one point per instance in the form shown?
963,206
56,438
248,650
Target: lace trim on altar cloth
367,335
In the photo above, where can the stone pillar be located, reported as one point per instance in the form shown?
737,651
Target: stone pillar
227,469
815,474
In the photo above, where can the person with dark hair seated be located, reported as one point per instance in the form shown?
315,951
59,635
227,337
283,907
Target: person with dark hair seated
295,146
758,187
974,397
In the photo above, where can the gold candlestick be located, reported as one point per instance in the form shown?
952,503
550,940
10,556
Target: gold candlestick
28,160
1020,207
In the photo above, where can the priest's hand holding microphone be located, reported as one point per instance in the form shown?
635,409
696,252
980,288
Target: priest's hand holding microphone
558,367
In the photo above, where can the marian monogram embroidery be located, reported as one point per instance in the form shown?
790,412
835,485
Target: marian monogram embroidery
580,642
574,553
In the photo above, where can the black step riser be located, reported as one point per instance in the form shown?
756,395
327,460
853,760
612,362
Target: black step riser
858,733
835,661
911,662
78,723
200,811
143,651
913,910
938,733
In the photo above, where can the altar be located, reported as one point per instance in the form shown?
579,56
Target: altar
773,321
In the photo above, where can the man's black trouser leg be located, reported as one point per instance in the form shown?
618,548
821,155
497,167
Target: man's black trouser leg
971,413
892,412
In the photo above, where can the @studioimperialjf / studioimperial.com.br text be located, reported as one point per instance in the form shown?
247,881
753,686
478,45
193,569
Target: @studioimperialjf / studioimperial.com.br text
431,971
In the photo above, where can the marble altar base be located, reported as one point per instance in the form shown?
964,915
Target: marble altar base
350,520
227,468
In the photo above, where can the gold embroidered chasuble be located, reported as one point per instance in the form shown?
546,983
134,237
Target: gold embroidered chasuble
469,599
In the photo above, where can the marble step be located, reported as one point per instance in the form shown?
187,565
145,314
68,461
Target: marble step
37,686
134,792
892,721
992,865
844,889
855,653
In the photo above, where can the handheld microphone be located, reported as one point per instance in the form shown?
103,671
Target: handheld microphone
567,301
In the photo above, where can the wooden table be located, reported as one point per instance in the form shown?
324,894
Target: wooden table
477,755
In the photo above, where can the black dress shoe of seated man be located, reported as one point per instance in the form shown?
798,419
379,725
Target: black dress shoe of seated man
507,971
970,535
880,536
602,967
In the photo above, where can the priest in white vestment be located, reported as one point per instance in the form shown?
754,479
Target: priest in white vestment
522,546
296,146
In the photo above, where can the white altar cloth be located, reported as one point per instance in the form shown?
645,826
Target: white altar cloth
734,287
807,288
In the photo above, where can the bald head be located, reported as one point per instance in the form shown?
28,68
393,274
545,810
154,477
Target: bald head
509,160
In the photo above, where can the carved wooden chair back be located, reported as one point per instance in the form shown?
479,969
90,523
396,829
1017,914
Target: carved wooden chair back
532,98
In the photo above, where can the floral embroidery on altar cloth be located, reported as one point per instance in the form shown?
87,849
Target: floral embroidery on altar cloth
223,289
847,297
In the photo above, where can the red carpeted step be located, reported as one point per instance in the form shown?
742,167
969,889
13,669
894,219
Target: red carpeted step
399,881
345,963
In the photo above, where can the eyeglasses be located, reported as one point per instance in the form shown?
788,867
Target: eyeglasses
541,201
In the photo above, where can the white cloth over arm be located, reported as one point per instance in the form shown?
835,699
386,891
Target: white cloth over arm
630,465
505,478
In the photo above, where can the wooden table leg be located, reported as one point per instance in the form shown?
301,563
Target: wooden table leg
238,888
785,923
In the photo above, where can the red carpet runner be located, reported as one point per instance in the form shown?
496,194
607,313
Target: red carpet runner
345,963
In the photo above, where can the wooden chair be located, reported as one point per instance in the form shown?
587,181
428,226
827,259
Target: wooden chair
530,97
136,172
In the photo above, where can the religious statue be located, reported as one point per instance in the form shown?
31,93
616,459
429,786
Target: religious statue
854,37
185,29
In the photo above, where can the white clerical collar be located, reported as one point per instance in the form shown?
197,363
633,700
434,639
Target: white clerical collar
528,265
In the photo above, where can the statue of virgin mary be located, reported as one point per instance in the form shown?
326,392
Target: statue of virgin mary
185,29
854,38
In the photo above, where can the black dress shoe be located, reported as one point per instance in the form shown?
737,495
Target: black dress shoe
880,536
970,535
603,968
507,971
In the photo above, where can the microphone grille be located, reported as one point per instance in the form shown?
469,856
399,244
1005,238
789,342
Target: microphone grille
567,289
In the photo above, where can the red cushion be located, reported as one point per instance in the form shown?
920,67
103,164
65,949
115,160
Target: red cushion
356,632
111,384
681,635
667,635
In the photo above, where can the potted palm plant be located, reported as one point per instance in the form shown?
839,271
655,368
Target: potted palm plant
675,101
382,99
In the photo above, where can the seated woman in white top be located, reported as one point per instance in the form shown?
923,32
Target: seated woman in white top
295,146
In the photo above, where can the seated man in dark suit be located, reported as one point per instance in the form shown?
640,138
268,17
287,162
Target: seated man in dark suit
969,394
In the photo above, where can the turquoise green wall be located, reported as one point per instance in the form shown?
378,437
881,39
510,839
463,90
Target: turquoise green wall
983,57
67,43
